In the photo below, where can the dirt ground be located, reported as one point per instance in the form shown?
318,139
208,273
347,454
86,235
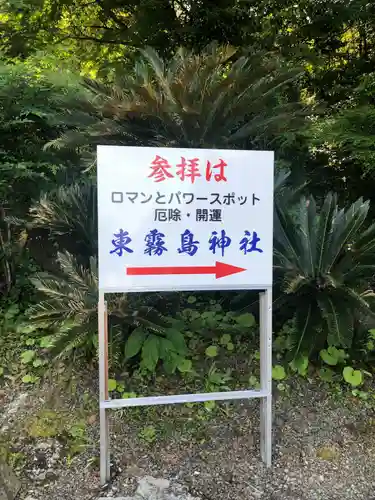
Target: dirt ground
324,447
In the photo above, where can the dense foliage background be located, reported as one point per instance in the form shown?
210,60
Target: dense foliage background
297,79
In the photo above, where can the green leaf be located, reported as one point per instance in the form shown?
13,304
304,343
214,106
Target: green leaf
128,395
332,356
352,377
225,339
112,384
46,342
178,340
280,344
25,329
37,362
326,374
165,348
300,365
361,394
339,320
191,299
246,320
77,431
306,332
254,382
171,362
120,387
150,353
323,230
29,379
185,366
278,372
135,342
328,358
30,342
27,356
1,371
212,351
11,312
216,378
230,346
210,319
196,325
209,405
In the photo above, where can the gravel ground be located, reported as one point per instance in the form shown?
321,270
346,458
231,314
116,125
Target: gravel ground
324,449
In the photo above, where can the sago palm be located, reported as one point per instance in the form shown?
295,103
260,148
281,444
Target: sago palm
68,308
192,100
69,215
324,264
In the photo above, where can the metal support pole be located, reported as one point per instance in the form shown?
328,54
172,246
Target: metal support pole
266,376
265,392
103,389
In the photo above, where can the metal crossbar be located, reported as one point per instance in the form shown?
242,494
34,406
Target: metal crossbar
182,398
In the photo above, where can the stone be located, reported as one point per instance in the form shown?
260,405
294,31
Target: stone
41,476
14,406
291,451
150,488
44,446
134,471
40,460
51,475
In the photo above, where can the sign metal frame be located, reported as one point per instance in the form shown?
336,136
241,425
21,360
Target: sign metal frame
264,393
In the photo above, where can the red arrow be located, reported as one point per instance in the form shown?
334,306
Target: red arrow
219,269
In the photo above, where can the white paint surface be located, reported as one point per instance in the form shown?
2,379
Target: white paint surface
124,170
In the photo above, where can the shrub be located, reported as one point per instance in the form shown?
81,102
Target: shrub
324,263
191,100
68,308
68,218
30,106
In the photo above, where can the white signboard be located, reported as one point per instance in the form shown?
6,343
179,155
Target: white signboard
184,219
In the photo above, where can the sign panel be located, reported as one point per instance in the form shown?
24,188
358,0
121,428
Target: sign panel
184,219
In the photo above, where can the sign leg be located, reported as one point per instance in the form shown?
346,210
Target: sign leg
266,376
103,390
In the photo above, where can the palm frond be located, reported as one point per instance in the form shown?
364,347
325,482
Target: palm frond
192,100
71,295
69,213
